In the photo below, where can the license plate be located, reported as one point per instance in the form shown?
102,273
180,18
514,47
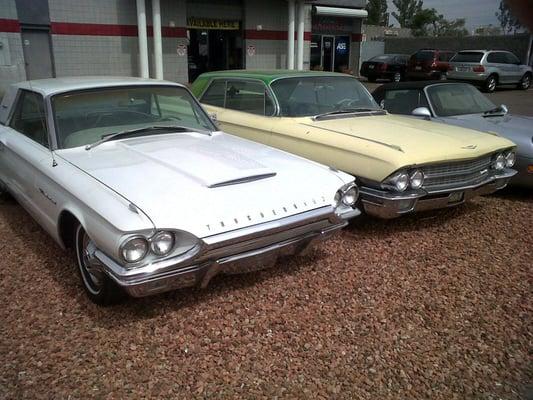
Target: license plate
462,69
370,67
456,197
418,68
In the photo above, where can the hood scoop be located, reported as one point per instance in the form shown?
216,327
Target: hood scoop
245,179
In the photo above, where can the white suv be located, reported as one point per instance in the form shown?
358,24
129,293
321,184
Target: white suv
490,68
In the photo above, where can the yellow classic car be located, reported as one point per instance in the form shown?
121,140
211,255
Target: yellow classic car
402,164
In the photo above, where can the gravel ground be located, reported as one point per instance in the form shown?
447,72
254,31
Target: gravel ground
434,306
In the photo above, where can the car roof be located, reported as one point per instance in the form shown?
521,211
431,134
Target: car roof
267,76
59,85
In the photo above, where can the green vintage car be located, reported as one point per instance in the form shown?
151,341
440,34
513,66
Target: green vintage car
403,164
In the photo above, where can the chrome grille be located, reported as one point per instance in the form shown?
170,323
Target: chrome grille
456,174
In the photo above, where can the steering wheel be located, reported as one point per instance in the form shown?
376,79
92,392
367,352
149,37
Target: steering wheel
345,103
102,115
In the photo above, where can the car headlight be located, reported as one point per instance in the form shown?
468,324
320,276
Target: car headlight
416,179
134,249
510,159
162,243
499,162
400,181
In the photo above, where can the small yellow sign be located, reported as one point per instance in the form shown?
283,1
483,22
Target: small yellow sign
208,23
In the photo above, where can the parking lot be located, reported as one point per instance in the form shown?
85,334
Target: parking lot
430,306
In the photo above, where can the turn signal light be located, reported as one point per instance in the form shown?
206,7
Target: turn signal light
478,68
530,169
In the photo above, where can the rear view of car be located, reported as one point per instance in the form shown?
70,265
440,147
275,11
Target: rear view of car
385,66
489,69
429,64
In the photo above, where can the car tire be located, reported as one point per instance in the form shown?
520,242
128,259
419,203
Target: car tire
397,77
442,76
525,82
100,288
490,84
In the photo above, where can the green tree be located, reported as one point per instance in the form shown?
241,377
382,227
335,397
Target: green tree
508,21
407,9
377,12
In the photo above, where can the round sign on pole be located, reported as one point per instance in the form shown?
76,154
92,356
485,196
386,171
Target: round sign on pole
181,50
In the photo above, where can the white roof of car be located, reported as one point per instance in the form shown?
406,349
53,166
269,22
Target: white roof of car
57,85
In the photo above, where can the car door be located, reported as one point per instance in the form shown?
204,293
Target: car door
513,63
27,157
243,107
498,60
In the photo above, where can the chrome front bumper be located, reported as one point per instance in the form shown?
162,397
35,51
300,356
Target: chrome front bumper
243,250
386,204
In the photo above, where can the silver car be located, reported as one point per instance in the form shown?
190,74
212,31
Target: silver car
489,69
463,105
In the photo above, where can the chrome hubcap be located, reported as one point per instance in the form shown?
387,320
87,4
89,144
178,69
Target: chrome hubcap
91,268
397,77
525,82
492,84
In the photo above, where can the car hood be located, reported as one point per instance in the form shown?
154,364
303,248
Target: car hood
208,184
409,141
516,128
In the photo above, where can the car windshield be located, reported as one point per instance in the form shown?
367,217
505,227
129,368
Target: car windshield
467,56
85,117
457,99
309,96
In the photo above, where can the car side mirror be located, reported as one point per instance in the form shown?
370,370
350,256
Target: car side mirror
421,112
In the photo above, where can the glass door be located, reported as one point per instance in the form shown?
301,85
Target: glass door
328,52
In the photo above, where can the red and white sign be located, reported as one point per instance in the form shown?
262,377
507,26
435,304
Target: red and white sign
181,50
251,50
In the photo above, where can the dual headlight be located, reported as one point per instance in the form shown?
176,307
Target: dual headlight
402,180
347,195
504,160
136,248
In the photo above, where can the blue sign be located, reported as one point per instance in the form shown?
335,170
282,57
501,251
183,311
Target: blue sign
342,46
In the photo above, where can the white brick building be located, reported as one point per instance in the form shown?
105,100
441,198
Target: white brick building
40,38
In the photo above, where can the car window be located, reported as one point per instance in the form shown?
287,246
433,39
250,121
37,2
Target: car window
468,56
84,117
511,58
248,96
424,55
457,99
313,95
497,57
403,101
214,95
29,117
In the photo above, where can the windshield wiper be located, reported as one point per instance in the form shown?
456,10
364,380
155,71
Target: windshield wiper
158,128
348,111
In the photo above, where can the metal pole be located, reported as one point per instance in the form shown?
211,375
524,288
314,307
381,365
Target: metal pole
158,48
290,36
301,21
143,40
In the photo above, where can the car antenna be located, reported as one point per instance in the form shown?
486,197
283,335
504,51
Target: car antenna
43,122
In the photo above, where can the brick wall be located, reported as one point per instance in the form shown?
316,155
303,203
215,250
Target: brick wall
108,43
518,44
271,40
11,53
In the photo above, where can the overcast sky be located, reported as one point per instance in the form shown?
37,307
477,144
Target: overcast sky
476,12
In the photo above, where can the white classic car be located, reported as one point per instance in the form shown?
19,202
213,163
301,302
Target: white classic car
134,176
